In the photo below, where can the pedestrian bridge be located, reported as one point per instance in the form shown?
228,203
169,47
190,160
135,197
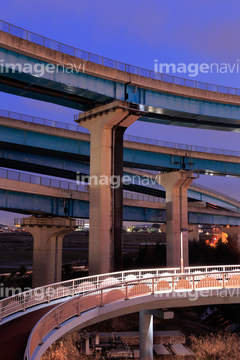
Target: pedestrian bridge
89,300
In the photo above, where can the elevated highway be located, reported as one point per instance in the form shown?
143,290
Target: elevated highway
60,149
95,80
31,194
152,97
113,96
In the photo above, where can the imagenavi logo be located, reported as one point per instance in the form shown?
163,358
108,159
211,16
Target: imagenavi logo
193,69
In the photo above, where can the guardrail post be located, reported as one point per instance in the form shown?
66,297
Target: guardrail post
152,285
193,281
78,307
73,288
101,304
172,283
48,298
24,302
223,280
0,311
126,298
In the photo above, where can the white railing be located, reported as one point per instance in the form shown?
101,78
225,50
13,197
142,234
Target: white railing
143,197
48,293
132,288
45,294
212,268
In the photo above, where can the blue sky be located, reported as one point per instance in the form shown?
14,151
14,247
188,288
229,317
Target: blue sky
138,32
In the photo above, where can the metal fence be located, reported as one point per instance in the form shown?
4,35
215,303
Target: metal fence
113,64
178,146
124,289
143,197
39,180
42,121
34,297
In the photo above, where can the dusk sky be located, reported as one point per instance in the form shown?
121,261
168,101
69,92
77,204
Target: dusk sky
137,33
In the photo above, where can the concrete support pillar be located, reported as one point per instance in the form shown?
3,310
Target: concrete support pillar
106,126
193,232
176,184
145,335
118,198
47,248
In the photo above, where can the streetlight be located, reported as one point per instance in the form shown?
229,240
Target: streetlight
182,231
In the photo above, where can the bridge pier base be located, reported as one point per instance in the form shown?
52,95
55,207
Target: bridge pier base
193,232
106,125
176,184
48,234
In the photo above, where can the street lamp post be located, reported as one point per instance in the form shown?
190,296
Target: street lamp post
182,231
